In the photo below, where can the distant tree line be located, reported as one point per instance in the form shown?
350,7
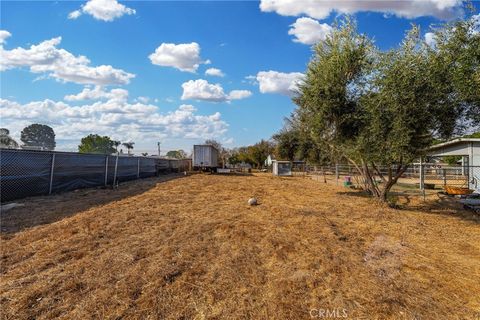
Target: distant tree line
254,155
42,137
94,143
177,154
35,136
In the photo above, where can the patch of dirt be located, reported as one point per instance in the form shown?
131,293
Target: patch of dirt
384,257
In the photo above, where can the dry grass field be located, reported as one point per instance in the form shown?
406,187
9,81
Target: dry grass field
191,248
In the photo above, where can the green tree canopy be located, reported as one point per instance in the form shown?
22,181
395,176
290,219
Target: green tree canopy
116,144
383,109
475,135
93,143
259,152
128,145
38,135
287,142
5,140
177,154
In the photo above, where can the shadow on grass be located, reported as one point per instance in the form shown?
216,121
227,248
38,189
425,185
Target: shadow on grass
434,203
48,209
355,193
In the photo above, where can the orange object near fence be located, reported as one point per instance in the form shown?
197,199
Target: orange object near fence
457,190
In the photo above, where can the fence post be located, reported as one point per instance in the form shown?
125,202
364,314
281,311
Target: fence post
444,177
422,176
51,174
138,168
336,172
115,173
106,170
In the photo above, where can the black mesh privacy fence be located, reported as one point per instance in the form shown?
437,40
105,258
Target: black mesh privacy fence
25,173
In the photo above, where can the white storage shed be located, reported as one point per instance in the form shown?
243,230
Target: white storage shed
282,168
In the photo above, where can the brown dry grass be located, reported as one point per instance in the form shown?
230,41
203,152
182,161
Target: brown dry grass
191,248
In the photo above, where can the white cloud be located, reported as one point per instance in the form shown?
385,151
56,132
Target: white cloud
321,9
143,99
98,93
476,23
105,10
203,90
239,94
60,64
476,18
46,57
278,82
115,118
228,141
309,31
74,14
184,56
4,34
430,39
214,72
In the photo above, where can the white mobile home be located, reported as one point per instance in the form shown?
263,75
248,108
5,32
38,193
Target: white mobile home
205,157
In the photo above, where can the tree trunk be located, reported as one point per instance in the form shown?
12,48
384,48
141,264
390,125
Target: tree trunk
372,187
392,180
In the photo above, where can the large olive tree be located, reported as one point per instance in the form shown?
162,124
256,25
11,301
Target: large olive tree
381,110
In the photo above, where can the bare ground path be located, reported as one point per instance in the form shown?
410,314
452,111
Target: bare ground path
192,248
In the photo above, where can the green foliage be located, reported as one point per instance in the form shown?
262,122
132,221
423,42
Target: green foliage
93,143
5,140
233,158
398,115
38,135
452,160
473,135
455,61
287,142
239,155
259,152
455,74
116,144
128,145
177,154
378,108
254,155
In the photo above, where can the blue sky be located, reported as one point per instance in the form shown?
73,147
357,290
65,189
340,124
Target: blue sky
104,76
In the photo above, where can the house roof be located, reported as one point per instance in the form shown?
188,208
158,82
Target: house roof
454,141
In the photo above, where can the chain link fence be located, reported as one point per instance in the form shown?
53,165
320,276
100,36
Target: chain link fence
417,176
25,173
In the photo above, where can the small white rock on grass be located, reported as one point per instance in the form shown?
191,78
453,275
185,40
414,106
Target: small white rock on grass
252,201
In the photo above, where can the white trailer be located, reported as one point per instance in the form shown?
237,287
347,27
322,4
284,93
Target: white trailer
205,157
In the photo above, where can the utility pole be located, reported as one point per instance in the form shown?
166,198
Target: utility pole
158,145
